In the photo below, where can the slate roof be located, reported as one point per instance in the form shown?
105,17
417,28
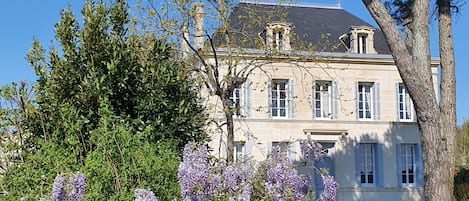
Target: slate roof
320,27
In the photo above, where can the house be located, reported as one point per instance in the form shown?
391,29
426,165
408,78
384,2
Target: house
322,73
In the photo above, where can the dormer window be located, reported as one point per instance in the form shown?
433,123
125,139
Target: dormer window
277,36
361,43
278,42
359,40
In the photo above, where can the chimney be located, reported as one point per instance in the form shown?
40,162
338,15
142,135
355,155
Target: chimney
185,41
199,26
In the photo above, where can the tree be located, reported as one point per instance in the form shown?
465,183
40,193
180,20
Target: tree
216,51
110,103
435,116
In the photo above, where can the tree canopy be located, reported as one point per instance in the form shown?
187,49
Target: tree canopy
110,103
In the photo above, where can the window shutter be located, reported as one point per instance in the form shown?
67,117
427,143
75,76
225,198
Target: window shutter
357,163
247,98
269,95
379,165
357,101
399,165
223,149
292,152
291,99
313,98
419,164
269,147
335,100
376,109
397,102
248,148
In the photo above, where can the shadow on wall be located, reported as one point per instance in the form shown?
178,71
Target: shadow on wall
375,172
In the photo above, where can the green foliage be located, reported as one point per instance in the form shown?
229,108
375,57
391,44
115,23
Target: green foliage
461,184
110,104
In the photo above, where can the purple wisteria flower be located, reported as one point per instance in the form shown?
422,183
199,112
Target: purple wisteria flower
79,187
198,181
237,180
283,181
144,195
330,188
311,151
59,191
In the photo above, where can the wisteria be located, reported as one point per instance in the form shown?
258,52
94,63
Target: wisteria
197,180
59,191
72,190
330,188
311,151
283,181
79,187
144,195
201,178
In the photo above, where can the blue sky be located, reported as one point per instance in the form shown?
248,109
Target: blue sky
23,20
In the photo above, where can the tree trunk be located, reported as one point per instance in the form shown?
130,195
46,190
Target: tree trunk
448,84
225,98
415,71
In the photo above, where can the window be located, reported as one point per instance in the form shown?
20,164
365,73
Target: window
286,147
325,100
367,163
235,101
240,100
408,167
405,105
362,43
278,42
359,40
281,98
239,150
368,101
277,35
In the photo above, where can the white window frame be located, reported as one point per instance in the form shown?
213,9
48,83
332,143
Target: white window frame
277,91
367,153
278,36
405,105
408,156
239,150
278,39
236,98
319,97
362,43
362,101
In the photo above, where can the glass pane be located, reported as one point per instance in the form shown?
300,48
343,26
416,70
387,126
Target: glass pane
282,113
282,103
370,179
283,95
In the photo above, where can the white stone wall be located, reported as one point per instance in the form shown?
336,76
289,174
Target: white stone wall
259,129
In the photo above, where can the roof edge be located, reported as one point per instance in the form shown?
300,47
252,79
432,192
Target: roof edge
293,4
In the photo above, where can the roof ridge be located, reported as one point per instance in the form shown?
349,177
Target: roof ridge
294,4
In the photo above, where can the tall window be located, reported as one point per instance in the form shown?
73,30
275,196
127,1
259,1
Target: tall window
362,43
367,163
240,150
278,39
235,101
279,99
323,99
408,163
365,99
405,104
